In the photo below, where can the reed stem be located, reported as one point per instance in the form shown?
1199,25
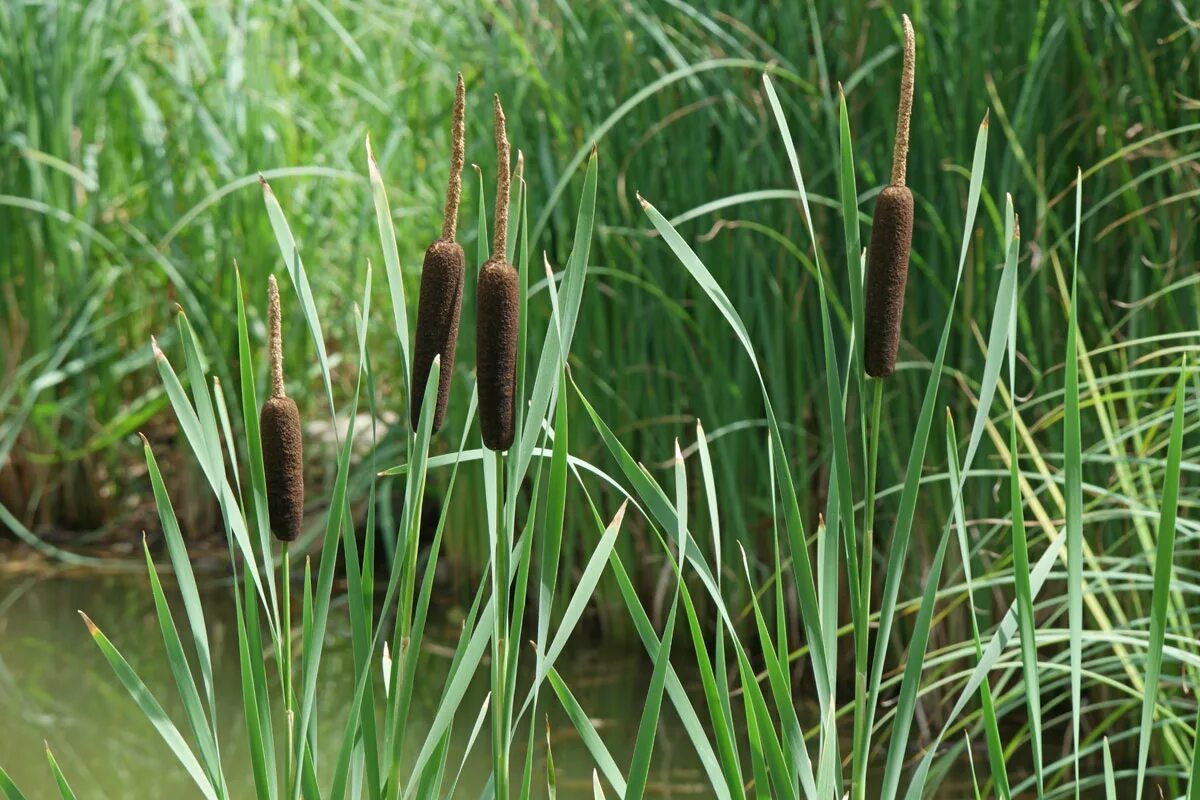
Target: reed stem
862,725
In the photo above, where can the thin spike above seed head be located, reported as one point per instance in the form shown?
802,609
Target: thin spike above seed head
891,239
443,273
497,317
282,443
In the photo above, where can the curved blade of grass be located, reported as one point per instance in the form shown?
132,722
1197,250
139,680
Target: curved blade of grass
714,520
64,788
799,767
991,654
11,792
597,789
184,681
296,271
1110,781
911,684
1163,565
1073,467
991,727
258,726
199,438
639,767
479,720
551,782
391,263
810,615
151,709
587,732
1027,625
579,600
560,332
182,566
675,690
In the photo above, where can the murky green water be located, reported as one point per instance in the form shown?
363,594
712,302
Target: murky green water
55,687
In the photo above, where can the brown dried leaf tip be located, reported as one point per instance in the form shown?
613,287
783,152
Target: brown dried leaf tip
497,315
442,275
891,239
282,445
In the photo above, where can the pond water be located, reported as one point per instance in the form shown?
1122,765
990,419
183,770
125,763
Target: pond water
57,689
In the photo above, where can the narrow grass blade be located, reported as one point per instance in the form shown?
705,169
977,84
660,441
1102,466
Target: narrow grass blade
1110,781
1073,468
184,681
560,333
151,709
64,788
1027,625
11,792
551,781
587,732
478,726
991,726
296,271
391,263
258,727
1163,566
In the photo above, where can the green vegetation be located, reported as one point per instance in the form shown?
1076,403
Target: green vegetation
1023,594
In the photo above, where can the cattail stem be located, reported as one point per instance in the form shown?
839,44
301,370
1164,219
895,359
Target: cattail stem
275,339
904,114
500,242
457,158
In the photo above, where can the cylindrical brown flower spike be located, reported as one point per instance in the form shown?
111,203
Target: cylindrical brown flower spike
442,278
891,239
497,312
283,449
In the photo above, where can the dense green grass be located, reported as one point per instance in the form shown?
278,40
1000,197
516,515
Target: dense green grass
1058,504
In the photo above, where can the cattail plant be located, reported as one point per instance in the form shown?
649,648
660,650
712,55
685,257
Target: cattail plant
891,239
496,318
442,277
283,450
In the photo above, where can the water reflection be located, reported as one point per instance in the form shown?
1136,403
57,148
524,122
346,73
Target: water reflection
55,687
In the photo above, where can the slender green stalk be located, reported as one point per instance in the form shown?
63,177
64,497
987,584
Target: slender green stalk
286,647
500,623
861,629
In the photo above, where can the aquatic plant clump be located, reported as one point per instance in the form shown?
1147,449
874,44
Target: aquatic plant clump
442,275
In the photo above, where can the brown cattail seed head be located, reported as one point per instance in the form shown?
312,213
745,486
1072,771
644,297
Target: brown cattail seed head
891,239
283,449
496,322
497,316
283,462
887,275
442,276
